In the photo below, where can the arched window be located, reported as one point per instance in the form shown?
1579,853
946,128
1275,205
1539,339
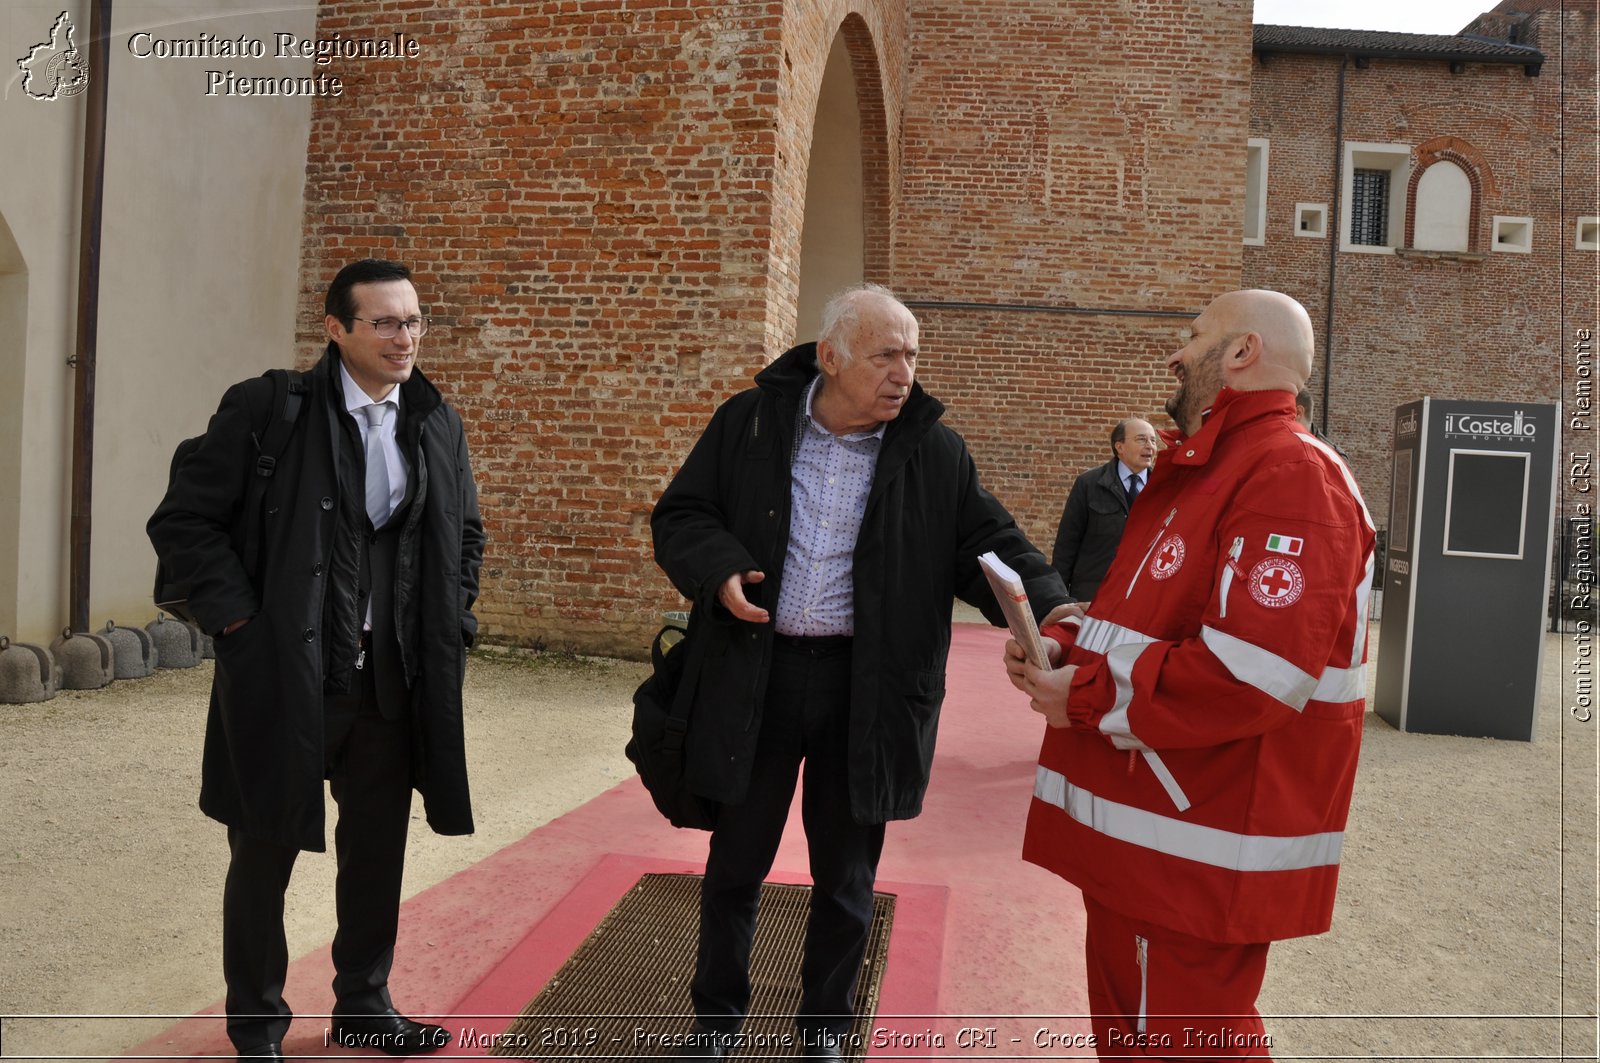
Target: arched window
1447,189
1443,208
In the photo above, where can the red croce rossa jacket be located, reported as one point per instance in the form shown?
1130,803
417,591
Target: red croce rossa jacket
1216,712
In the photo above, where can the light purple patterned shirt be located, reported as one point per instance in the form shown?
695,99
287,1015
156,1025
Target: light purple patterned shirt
828,489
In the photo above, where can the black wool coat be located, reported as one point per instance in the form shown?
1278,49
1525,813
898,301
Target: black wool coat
263,762
927,519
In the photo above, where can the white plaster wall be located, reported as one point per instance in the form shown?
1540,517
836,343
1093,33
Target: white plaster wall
39,172
198,284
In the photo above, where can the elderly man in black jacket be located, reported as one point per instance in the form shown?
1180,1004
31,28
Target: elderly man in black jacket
822,527
340,655
1097,508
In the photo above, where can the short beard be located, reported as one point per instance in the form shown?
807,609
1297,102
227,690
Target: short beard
1208,366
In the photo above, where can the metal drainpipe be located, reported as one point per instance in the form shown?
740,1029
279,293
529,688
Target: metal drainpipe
83,359
1335,234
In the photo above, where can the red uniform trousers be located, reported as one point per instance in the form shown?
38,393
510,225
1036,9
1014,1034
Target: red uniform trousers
1157,994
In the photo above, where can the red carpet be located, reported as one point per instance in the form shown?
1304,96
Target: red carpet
981,942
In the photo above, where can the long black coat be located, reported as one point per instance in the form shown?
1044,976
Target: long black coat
927,519
263,762
1090,529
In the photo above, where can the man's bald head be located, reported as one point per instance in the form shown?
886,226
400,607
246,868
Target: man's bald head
1287,340
1251,340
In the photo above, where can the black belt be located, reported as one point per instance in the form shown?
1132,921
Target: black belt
814,645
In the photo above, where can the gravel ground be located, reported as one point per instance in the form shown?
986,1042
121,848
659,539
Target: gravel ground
95,782
1466,921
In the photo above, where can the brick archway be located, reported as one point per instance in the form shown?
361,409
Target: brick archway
846,215
1470,161
876,160
832,202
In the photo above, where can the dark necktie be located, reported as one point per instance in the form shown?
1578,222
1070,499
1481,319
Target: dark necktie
1133,487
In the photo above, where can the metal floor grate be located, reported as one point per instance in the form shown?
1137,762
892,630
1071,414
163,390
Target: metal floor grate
624,994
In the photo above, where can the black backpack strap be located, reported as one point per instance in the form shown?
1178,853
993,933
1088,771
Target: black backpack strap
687,676
288,389
288,392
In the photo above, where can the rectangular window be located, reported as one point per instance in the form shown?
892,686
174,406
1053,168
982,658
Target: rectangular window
1512,234
1311,219
1372,201
1255,192
1369,208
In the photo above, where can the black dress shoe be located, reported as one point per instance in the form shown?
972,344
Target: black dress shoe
390,1032
702,1042
272,1050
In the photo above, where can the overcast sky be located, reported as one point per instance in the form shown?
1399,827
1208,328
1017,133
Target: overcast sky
1403,16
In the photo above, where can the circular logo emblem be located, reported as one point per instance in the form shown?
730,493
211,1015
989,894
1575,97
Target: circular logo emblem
1168,558
1276,582
66,74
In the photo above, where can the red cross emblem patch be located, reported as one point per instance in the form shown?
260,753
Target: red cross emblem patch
1168,558
1276,582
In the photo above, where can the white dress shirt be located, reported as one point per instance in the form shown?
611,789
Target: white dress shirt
355,400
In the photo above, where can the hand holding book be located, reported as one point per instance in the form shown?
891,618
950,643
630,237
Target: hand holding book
1008,590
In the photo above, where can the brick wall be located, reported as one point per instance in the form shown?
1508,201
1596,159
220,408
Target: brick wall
1484,325
1066,155
601,202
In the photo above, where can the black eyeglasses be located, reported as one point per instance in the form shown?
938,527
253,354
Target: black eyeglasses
388,328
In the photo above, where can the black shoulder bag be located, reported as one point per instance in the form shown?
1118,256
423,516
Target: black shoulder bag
661,724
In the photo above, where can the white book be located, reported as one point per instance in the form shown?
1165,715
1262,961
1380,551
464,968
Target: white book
1007,587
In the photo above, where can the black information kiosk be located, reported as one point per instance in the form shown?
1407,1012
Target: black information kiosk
1471,516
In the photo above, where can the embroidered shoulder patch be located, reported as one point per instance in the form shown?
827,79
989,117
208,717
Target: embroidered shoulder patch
1285,544
1276,582
1168,558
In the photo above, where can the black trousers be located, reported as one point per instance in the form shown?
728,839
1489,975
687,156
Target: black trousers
806,720
368,764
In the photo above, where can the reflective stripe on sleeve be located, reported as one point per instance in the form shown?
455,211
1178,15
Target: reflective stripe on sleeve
1358,648
1107,639
1344,471
1120,659
1341,684
1190,841
1364,591
1120,662
1102,636
1277,678
1259,668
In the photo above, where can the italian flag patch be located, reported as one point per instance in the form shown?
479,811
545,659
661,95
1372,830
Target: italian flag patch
1285,544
